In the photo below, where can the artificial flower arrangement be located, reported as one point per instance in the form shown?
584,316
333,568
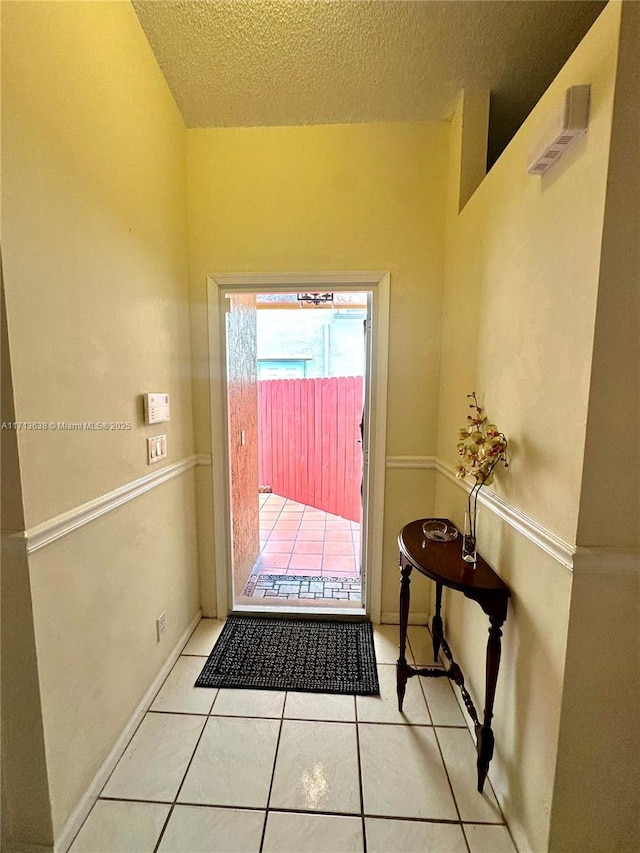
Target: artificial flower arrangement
481,447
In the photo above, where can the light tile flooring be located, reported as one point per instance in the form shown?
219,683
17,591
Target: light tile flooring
220,771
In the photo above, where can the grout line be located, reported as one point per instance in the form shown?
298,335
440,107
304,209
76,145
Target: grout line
279,810
357,722
273,773
364,829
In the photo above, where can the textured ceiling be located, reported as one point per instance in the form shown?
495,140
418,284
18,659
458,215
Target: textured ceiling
281,62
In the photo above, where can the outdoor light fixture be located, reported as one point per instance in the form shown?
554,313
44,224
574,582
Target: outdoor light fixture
315,299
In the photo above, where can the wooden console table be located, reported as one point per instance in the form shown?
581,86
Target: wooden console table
443,563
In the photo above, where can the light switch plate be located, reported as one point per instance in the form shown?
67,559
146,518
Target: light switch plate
156,448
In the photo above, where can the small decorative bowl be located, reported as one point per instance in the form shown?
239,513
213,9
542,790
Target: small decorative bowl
439,531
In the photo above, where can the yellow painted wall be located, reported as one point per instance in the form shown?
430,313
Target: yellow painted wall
95,266
94,237
339,197
600,723
523,270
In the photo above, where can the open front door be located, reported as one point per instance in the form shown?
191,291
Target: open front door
242,401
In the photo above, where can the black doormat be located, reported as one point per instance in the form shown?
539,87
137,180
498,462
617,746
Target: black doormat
293,654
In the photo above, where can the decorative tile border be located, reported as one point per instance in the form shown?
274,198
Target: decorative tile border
303,587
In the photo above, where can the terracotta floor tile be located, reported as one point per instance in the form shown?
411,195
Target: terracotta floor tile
338,536
337,547
305,547
273,561
282,534
336,573
338,562
305,561
305,572
269,516
310,536
278,546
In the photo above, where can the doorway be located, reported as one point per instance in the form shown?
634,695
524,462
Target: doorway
301,428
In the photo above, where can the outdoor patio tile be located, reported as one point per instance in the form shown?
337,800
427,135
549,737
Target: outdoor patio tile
337,535
338,525
339,562
308,547
310,536
273,561
344,548
312,524
305,561
278,546
286,535
286,524
307,573
339,573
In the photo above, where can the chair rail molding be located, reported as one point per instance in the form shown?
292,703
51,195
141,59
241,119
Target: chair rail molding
413,462
563,552
55,528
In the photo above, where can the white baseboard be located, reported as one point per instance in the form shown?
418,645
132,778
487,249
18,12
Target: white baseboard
393,618
85,805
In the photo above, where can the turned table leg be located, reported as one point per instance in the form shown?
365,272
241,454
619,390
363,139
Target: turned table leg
401,666
484,732
436,623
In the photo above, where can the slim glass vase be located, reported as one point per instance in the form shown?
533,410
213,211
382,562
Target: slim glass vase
469,537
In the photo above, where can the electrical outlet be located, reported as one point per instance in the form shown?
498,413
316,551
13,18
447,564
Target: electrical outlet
161,625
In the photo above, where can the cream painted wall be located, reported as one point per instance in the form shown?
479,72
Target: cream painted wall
95,257
96,275
96,595
610,500
523,263
523,270
339,197
600,723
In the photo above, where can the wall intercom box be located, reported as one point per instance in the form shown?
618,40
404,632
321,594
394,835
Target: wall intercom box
156,408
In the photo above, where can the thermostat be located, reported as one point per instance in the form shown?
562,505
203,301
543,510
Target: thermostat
156,408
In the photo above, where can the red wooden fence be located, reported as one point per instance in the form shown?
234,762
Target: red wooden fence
309,441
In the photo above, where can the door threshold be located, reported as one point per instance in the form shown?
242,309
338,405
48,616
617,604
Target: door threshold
353,613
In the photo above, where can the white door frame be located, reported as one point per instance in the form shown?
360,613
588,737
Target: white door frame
376,281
